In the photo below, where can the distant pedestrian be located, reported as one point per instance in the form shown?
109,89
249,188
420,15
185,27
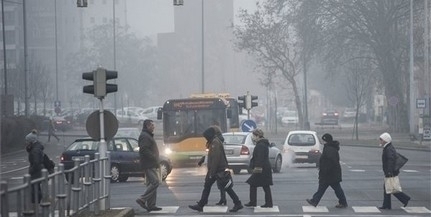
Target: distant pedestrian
35,158
388,163
149,158
51,130
217,164
262,172
329,172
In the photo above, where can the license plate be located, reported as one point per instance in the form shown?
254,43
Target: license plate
80,158
229,152
301,156
195,157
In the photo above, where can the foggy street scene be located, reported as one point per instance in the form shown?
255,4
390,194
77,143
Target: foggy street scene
339,90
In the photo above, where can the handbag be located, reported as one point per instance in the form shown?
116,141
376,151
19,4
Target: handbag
392,185
400,160
224,179
48,164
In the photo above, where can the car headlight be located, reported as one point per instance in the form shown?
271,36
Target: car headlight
168,151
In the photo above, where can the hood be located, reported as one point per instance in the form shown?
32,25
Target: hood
334,144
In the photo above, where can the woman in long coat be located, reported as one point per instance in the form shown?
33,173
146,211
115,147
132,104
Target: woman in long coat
329,172
262,173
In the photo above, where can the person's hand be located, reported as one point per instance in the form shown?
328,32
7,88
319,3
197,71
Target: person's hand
257,170
387,175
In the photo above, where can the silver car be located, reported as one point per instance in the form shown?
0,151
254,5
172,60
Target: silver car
239,147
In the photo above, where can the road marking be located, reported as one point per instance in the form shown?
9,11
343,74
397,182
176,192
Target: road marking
215,209
259,209
314,209
365,209
357,171
410,171
167,209
416,209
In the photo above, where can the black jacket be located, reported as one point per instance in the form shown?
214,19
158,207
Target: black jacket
35,158
388,161
261,159
148,150
329,163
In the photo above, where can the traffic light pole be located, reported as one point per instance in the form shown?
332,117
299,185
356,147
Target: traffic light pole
102,150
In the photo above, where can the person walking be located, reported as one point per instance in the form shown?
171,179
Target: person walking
329,172
262,172
217,163
51,130
35,158
388,163
149,158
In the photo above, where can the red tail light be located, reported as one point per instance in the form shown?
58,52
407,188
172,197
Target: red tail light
244,150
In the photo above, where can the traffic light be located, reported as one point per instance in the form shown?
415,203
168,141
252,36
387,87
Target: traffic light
178,2
253,103
99,77
241,103
249,101
82,3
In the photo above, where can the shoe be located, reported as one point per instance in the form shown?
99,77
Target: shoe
155,208
236,208
142,204
341,205
266,206
196,207
221,203
311,202
382,207
250,204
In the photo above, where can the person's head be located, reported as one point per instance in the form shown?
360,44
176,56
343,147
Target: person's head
148,125
327,138
210,133
31,137
257,134
385,138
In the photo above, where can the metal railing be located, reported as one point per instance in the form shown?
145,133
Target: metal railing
62,193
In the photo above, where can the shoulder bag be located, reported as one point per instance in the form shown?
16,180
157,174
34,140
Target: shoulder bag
400,160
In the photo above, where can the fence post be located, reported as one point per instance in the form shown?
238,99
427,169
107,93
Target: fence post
97,180
61,195
108,180
75,186
45,203
87,181
4,200
28,206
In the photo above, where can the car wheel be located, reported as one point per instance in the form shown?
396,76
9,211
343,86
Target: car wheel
164,168
236,171
277,165
115,173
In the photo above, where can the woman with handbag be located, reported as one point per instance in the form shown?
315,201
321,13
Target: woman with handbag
388,163
262,173
217,165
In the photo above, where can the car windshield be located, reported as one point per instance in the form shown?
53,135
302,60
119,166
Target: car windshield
84,145
234,139
302,139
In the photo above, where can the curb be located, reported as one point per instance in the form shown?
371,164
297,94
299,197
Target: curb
127,212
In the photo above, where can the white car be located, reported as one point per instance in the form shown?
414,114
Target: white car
289,118
239,147
129,117
304,146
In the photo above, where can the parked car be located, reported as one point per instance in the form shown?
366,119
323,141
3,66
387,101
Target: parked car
329,117
130,117
128,132
304,146
150,112
349,113
239,147
125,161
289,117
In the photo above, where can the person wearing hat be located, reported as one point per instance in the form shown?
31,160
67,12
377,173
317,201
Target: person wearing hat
262,173
217,163
329,172
35,158
388,164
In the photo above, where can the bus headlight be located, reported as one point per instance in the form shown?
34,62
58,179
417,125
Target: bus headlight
168,151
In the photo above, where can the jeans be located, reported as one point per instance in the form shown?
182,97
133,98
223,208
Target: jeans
338,192
152,179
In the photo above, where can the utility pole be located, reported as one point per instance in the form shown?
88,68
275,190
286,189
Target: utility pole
4,48
25,59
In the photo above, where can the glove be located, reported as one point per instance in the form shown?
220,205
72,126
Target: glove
201,161
257,170
387,175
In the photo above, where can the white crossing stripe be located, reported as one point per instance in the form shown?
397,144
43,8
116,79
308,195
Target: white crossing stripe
357,170
365,209
215,209
413,209
410,171
314,209
259,209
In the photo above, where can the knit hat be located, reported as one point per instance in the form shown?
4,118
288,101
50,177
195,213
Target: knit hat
258,132
386,137
327,137
31,137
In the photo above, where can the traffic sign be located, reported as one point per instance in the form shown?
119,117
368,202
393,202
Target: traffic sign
248,125
57,110
93,125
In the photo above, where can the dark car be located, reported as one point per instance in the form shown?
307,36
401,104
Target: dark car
329,117
125,161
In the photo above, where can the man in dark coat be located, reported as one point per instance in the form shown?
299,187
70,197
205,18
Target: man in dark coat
388,163
329,172
217,164
35,158
262,173
149,158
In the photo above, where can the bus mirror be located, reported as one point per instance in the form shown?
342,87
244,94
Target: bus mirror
229,113
159,114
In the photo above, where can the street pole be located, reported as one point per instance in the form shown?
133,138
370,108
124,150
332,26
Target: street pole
25,60
203,53
102,150
56,51
411,89
115,50
4,48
